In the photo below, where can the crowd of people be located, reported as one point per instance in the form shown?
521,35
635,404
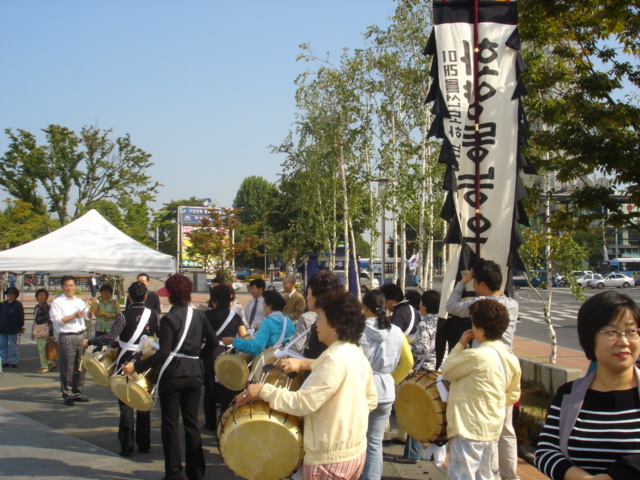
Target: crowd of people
353,355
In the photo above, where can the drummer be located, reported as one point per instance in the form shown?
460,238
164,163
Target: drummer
182,333
128,328
225,322
275,329
336,399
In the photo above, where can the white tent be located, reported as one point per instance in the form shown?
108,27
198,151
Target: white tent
88,244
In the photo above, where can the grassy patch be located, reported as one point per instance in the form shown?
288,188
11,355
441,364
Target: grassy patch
532,413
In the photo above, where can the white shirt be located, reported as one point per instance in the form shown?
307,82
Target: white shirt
63,307
259,316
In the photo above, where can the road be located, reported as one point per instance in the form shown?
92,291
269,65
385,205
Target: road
564,312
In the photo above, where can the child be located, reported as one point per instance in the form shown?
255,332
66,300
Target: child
484,381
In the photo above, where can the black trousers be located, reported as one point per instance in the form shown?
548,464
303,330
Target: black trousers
181,394
215,393
127,429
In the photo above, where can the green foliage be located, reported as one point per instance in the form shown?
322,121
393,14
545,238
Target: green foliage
74,170
213,240
255,198
20,223
563,253
583,82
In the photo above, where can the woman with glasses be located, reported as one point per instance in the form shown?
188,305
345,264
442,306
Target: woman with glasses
592,426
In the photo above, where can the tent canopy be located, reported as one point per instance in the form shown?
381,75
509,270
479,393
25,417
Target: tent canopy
88,244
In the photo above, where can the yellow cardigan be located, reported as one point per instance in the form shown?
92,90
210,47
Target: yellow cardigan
335,402
405,364
479,393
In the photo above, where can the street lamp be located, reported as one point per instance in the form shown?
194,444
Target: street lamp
382,186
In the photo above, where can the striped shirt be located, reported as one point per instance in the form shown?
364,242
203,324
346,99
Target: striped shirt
607,428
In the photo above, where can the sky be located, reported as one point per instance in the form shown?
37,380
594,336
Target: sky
206,87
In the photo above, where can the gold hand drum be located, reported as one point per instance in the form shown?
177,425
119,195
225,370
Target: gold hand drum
419,408
232,369
134,390
100,365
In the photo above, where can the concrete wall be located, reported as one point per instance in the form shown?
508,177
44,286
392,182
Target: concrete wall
547,375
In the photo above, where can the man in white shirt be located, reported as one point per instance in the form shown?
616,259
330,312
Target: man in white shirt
68,314
254,312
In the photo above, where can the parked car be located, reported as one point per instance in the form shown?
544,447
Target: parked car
367,282
537,278
276,284
243,273
584,280
613,280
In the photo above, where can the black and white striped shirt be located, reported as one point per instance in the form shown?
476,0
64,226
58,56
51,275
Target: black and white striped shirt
607,428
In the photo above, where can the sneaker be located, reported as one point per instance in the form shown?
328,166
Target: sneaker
81,398
43,370
69,401
52,366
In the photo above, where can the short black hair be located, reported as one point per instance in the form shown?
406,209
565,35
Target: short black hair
106,286
431,301
489,272
137,291
392,291
13,290
143,275
491,316
274,300
599,311
42,290
258,283
344,313
218,280
220,295
66,278
413,297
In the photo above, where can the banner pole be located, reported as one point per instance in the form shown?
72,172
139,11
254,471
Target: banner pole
476,106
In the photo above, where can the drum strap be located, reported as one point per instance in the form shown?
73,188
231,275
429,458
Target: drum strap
284,331
413,319
133,344
174,353
226,322
286,351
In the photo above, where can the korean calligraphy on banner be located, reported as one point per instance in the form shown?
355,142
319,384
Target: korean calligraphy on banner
488,132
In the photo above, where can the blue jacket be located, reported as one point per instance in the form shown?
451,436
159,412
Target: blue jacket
268,334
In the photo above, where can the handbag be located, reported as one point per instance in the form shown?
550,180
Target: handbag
52,351
40,331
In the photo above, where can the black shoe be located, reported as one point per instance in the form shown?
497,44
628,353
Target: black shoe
209,427
14,365
125,454
82,398
69,401
5,365
143,450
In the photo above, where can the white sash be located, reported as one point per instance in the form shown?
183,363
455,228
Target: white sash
286,351
413,319
174,353
134,344
226,322
282,334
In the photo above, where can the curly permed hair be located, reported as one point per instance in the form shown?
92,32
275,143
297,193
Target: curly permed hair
324,281
180,288
491,316
344,313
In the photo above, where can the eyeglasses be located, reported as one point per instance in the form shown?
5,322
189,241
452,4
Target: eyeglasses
612,334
